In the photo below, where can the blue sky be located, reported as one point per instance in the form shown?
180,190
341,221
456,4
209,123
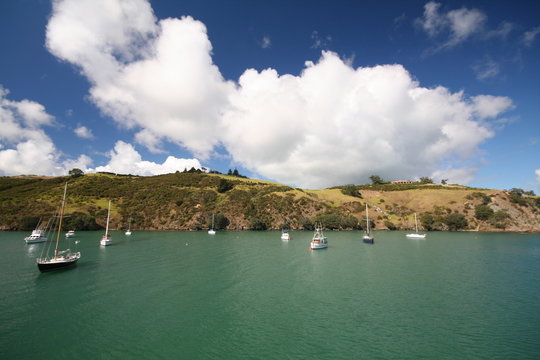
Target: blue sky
307,93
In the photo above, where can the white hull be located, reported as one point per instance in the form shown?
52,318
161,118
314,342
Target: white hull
33,240
285,236
105,242
37,236
318,246
128,232
211,232
416,236
70,234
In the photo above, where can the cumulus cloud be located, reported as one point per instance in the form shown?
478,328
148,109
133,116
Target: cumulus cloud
336,124
154,76
124,159
332,124
83,132
26,148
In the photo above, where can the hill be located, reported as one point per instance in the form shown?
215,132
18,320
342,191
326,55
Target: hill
186,201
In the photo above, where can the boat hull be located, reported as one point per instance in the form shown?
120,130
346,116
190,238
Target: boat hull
416,236
55,264
35,240
318,246
368,240
105,242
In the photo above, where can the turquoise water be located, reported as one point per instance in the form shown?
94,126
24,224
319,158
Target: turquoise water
249,295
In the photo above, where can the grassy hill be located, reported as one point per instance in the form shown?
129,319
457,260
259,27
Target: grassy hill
186,201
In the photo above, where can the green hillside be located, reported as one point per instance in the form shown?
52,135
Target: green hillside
186,201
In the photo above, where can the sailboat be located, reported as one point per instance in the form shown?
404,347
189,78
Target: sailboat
319,241
211,231
285,235
128,231
367,238
38,235
416,235
106,239
61,259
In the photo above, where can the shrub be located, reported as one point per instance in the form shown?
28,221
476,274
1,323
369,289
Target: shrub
390,225
351,190
224,185
455,221
258,224
483,212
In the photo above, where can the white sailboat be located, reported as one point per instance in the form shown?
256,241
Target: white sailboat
319,241
285,235
211,231
60,259
416,235
106,239
367,238
128,231
38,235
70,234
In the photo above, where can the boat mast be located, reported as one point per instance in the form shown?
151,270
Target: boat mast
367,219
415,222
60,222
108,213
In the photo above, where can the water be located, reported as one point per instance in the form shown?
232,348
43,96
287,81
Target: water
249,295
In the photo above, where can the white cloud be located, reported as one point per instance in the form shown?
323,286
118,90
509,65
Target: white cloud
156,77
126,160
538,176
530,36
26,148
266,42
456,26
332,124
456,176
83,132
486,69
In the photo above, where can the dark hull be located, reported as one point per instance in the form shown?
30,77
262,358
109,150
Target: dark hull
369,241
43,267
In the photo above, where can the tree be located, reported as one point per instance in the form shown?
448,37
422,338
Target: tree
224,185
428,221
455,221
483,212
390,225
258,224
444,181
220,222
75,172
426,180
351,190
376,180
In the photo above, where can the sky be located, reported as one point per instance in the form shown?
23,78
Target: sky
311,94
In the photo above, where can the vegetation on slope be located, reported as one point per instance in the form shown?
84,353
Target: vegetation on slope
186,201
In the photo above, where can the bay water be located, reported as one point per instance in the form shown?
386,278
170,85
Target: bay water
250,295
